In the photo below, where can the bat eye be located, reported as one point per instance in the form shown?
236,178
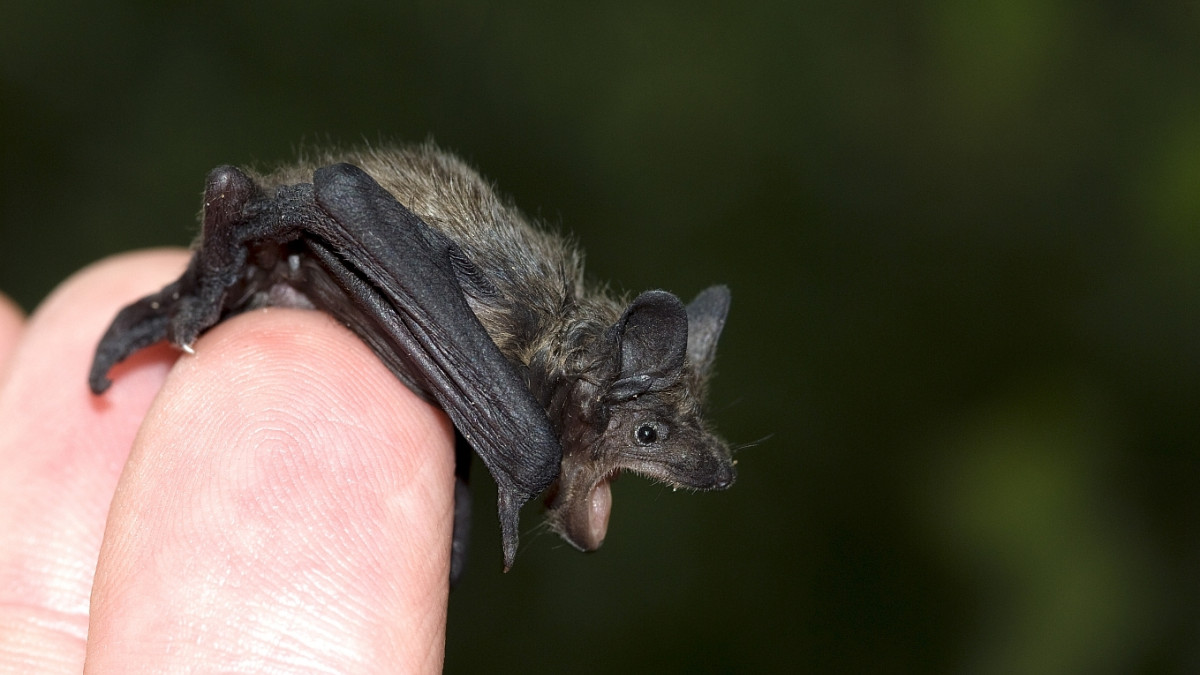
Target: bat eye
646,434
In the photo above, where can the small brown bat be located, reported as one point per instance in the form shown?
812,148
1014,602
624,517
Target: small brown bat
556,386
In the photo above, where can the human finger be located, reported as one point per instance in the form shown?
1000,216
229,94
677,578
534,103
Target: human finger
287,506
62,449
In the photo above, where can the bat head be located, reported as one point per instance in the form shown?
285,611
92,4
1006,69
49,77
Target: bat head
638,409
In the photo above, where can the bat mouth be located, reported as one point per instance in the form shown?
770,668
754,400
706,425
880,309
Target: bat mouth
598,508
582,520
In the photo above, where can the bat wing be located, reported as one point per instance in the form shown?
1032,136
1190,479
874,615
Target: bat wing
409,306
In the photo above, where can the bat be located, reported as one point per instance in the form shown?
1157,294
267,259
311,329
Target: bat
557,387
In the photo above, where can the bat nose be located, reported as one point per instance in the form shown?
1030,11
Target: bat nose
722,475
725,478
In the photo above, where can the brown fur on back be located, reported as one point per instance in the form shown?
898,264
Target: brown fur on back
542,313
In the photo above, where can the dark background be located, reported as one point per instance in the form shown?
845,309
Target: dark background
963,242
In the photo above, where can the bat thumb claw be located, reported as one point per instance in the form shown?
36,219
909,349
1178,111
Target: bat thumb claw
510,513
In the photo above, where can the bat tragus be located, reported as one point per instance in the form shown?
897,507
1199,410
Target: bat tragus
556,387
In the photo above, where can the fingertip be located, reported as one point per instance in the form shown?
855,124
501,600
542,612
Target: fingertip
62,450
287,480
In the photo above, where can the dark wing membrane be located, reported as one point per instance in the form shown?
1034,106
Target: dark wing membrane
402,279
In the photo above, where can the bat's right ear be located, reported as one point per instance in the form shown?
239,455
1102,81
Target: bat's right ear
706,317
650,342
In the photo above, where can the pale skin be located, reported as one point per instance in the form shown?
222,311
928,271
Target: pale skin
278,502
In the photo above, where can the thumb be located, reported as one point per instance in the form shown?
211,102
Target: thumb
287,505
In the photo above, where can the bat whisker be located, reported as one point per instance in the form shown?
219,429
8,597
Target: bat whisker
743,446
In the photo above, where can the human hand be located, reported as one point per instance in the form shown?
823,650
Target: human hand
283,504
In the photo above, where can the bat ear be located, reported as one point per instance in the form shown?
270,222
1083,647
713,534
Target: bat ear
706,317
651,341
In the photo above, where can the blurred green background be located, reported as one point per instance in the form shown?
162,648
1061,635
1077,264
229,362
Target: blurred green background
964,246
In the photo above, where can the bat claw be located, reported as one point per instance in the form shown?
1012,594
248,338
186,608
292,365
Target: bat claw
509,506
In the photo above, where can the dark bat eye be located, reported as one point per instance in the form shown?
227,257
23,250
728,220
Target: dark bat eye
646,434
